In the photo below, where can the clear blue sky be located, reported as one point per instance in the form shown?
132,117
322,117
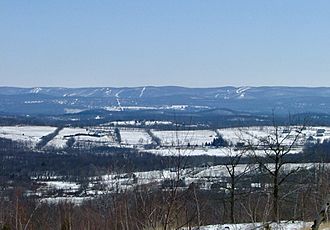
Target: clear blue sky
170,42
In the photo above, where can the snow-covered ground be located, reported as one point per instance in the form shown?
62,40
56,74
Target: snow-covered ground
178,138
284,225
187,142
60,141
92,135
199,151
69,186
169,107
73,200
95,139
138,123
30,135
134,136
121,108
173,142
255,133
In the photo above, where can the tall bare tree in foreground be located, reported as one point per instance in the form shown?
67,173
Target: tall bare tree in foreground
270,153
236,170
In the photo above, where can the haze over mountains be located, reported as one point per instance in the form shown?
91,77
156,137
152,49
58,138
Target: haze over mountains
56,100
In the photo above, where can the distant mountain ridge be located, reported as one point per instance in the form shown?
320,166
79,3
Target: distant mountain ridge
59,100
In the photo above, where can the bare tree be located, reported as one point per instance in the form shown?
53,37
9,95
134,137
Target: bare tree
235,175
173,195
270,153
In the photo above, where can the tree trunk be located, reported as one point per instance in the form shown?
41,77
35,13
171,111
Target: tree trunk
321,217
276,216
232,200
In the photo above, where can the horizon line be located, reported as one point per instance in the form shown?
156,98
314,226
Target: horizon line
164,86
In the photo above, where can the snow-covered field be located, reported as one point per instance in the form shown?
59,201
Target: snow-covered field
178,138
30,135
95,136
60,141
173,142
255,133
134,137
188,142
199,151
138,123
95,139
69,186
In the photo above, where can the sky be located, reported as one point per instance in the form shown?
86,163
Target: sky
205,43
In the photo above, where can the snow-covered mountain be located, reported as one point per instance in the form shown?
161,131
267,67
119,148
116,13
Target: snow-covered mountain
56,100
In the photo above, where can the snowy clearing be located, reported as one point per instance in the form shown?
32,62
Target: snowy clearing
60,141
183,142
134,137
178,138
30,135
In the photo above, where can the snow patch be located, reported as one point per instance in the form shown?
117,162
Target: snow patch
108,91
68,110
118,93
242,89
35,90
284,225
142,91
33,102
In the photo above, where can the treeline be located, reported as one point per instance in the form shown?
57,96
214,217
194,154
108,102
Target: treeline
18,161
26,163
200,119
